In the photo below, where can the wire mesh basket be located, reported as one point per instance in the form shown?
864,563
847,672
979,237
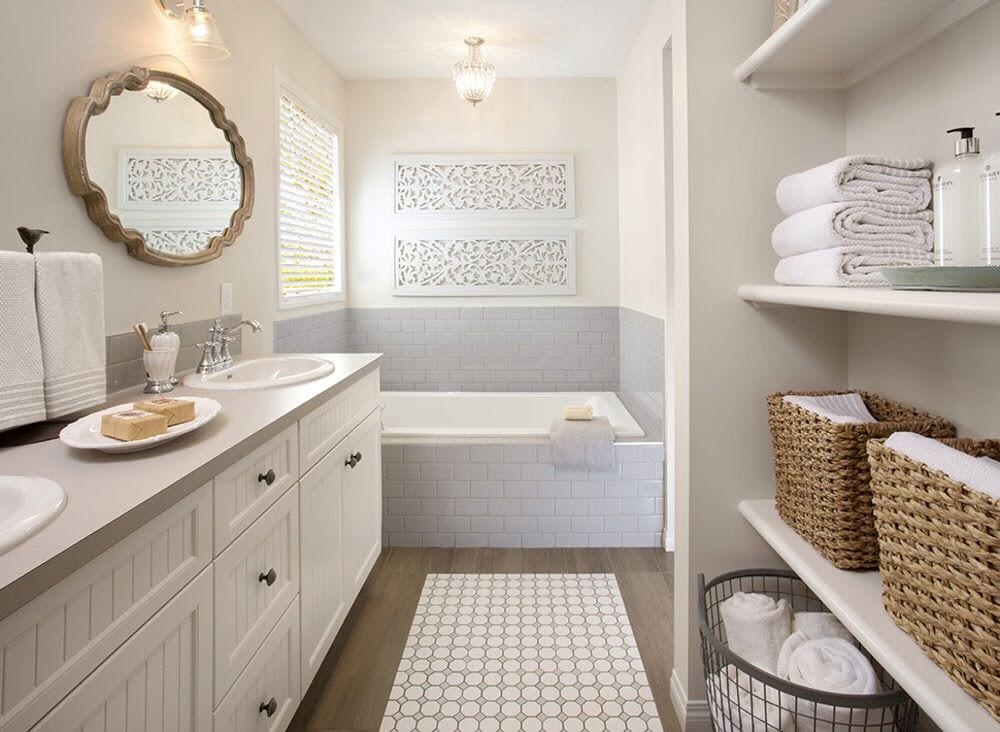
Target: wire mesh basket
742,696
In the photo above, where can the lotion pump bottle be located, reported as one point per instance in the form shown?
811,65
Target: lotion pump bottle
165,338
958,229
989,184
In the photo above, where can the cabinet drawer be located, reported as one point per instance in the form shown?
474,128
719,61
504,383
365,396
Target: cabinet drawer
159,678
245,490
329,424
51,644
272,674
246,606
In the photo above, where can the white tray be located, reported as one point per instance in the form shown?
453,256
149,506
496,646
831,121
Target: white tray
85,433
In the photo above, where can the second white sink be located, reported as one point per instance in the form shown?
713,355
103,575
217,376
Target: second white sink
27,504
262,373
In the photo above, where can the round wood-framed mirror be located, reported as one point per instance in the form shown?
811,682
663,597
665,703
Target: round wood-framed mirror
161,167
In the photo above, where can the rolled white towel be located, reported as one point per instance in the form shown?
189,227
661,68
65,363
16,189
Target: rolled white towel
899,185
850,223
978,474
740,703
834,665
838,408
756,627
820,625
847,266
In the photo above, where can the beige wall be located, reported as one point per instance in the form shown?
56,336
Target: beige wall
904,111
52,50
644,166
522,115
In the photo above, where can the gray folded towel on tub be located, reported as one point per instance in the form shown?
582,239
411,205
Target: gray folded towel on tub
588,444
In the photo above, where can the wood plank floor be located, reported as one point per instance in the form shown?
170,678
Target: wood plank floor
352,687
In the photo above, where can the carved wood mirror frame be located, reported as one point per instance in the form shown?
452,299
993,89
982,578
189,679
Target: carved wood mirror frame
75,161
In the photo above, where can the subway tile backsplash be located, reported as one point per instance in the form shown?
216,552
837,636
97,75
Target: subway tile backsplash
642,369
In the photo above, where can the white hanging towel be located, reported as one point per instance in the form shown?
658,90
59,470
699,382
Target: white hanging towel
21,396
69,292
899,185
853,266
976,473
853,224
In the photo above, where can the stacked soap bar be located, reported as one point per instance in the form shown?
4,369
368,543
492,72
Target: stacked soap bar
147,418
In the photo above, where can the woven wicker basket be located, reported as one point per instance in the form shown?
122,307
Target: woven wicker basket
822,475
940,562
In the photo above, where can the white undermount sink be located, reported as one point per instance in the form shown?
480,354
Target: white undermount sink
262,373
27,505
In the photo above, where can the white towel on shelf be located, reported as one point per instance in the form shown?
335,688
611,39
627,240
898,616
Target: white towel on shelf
746,705
900,185
69,292
838,408
820,625
21,396
829,664
582,444
852,224
849,266
978,474
756,627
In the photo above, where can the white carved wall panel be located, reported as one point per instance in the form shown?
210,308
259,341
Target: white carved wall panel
191,180
485,186
457,263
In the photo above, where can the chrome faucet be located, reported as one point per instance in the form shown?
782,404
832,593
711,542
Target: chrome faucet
216,356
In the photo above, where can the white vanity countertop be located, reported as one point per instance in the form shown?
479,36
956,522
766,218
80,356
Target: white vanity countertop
109,496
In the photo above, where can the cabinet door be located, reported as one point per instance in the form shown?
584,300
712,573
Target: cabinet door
362,503
323,604
159,679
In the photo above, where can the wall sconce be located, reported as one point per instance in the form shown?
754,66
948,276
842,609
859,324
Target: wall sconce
160,91
202,39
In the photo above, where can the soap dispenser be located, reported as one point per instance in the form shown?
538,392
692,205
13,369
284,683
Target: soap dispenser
165,339
958,231
989,186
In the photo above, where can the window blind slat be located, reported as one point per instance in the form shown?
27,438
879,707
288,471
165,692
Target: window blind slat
309,212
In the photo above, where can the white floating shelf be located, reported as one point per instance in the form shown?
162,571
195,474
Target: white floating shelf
834,44
982,308
856,599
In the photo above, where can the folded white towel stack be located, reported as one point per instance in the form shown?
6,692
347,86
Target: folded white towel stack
69,292
21,396
849,218
746,704
829,664
903,186
838,408
756,626
815,626
978,474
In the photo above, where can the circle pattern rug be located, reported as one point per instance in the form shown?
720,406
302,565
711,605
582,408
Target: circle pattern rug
521,652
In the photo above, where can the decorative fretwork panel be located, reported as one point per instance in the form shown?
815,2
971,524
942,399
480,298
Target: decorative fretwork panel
182,242
192,179
480,264
507,186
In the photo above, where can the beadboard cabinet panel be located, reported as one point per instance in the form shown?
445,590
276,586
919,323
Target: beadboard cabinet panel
362,508
158,680
329,424
52,643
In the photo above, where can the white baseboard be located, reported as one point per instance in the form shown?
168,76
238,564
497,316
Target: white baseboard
693,715
668,543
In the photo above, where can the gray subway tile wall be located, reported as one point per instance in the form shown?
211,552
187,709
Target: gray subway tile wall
124,354
512,496
642,369
566,348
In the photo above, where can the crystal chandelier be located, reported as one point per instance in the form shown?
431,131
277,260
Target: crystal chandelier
474,76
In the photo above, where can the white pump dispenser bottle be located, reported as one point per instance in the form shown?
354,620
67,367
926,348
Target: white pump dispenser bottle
958,229
989,186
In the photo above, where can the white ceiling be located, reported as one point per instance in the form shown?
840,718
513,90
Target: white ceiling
381,39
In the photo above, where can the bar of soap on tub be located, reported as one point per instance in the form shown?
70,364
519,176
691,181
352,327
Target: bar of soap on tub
133,424
579,413
177,411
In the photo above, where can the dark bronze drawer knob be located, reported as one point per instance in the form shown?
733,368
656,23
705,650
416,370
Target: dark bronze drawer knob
270,708
268,578
268,477
353,460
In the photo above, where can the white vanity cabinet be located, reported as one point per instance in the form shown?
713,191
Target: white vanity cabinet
218,612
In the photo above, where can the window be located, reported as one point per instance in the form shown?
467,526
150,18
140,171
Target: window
310,204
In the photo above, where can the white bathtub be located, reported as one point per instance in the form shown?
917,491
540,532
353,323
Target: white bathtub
483,416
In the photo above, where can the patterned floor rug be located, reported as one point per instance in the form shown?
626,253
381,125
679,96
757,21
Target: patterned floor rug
521,652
